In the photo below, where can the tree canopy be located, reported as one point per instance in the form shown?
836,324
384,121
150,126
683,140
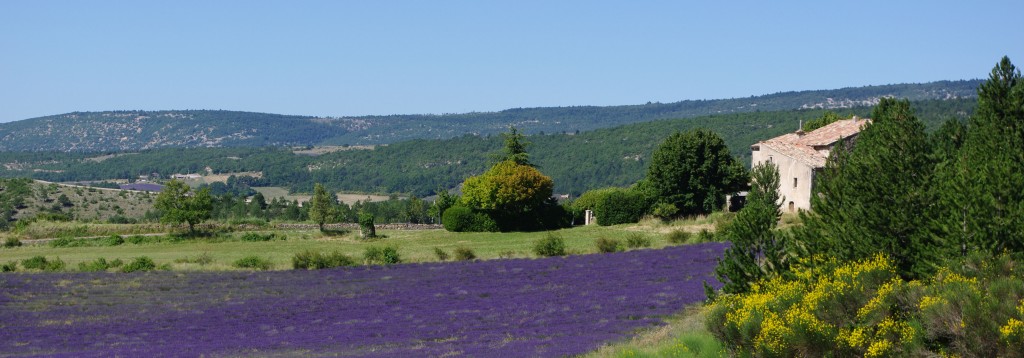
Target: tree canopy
694,170
180,204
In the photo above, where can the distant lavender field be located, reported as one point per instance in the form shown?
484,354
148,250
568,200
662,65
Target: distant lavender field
521,307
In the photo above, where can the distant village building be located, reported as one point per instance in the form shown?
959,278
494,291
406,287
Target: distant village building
801,155
186,176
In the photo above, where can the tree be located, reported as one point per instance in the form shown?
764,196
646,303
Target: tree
179,204
321,206
873,197
986,196
508,187
444,201
694,171
757,251
515,148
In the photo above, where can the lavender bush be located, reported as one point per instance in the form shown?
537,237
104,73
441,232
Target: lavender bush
518,307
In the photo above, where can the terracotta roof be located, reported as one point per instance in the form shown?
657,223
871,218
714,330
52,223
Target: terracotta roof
802,147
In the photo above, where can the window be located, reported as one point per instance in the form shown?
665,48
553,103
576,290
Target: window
794,182
792,207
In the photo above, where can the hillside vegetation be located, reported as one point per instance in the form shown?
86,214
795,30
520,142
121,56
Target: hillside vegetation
140,130
576,162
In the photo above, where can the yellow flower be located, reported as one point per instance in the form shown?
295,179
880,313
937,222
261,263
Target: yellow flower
1012,331
879,348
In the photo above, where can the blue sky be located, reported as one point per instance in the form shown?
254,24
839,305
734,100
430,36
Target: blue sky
346,58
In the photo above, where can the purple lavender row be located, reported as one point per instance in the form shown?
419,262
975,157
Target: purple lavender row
519,307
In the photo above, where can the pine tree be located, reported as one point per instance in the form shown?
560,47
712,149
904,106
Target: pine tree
872,196
990,193
757,251
321,208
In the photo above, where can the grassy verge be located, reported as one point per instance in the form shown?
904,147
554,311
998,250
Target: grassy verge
683,336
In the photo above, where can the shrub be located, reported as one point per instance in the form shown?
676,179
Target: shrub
67,242
605,245
705,236
441,254
9,267
253,262
679,236
464,254
550,245
366,228
12,242
202,259
386,255
310,259
252,236
112,240
142,263
664,211
99,264
463,219
136,239
635,240
41,263
620,207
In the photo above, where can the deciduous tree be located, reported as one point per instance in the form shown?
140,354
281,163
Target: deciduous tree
180,204
694,171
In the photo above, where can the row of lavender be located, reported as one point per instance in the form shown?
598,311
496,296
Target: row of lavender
520,307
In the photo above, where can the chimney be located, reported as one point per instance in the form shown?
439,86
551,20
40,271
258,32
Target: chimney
800,130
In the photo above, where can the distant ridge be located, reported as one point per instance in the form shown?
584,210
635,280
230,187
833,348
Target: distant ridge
137,130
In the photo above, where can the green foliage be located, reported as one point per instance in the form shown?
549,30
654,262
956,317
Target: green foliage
253,262
636,240
321,206
463,219
180,204
757,251
873,197
606,245
11,242
42,263
550,245
100,264
508,187
202,259
315,260
664,211
464,254
679,236
140,264
972,307
441,254
619,206
112,240
982,196
515,147
254,237
377,255
10,266
827,118
694,171
366,227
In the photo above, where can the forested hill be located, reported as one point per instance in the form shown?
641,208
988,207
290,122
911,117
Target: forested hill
576,162
139,130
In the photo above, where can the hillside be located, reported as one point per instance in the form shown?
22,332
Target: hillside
576,162
140,130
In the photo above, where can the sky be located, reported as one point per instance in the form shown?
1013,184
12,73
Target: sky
353,58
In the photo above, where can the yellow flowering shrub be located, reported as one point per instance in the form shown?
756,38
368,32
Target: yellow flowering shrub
863,308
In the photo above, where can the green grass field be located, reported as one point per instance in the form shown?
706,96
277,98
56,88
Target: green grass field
412,245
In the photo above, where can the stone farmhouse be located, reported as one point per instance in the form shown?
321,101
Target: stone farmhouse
800,155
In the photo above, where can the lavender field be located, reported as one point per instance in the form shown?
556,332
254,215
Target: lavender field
519,307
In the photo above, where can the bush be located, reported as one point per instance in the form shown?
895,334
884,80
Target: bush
202,259
316,260
254,237
366,228
99,264
705,236
664,211
464,254
463,219
12,242
678,236
620,207
635,240
253,262
441,254
136,239
386,255
41,263
142,263
112,240
605,245
67,242
9,267
550,245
